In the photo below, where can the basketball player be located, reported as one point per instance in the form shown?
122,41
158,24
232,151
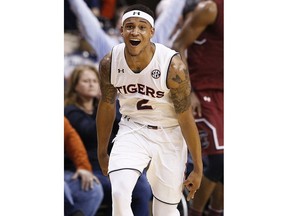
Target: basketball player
202,36
153,88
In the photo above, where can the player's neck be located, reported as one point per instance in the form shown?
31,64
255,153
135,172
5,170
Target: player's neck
139,62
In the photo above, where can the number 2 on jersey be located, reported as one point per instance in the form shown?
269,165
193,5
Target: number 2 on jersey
142,104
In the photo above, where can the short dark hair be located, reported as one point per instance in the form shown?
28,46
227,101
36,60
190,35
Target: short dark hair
140,7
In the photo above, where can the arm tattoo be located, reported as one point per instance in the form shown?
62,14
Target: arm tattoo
181,94
107,89
177,79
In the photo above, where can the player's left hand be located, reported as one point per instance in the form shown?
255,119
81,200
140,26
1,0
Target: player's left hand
192,183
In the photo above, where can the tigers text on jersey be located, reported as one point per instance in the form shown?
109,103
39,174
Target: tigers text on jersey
144,96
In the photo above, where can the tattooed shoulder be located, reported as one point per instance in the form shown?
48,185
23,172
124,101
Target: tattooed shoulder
107,89
104,67
179,84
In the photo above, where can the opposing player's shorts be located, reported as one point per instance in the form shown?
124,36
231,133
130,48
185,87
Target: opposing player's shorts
163,150
214,170
210,125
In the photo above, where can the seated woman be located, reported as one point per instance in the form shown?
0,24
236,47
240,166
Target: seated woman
83,192
83,92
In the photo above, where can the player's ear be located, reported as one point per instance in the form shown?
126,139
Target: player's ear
121,30
152,32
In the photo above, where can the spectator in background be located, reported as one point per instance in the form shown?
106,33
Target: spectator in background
70,20
83,192
202,36
162,7
83,93
103,9
102,42
108,9
76,52
150,4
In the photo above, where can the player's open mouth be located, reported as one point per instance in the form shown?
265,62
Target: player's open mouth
134,42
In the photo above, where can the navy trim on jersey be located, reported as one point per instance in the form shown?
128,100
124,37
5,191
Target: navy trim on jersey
168,69
111,65
125,169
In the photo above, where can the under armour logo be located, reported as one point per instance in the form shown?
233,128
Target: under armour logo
120,70
138,13
206,98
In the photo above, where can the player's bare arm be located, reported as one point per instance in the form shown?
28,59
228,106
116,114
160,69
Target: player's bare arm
107,89
179,84
195,23
106,112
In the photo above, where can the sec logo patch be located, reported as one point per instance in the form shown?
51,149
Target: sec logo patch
156,74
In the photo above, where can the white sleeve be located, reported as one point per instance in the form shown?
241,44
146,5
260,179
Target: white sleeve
91,29
167,20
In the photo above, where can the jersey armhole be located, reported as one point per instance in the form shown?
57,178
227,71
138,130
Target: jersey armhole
111,60
176,53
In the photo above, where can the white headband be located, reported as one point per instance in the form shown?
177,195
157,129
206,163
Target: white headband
137,13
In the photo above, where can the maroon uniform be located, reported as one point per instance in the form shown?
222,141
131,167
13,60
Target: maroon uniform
205,61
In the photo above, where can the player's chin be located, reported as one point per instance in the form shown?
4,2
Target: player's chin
134,52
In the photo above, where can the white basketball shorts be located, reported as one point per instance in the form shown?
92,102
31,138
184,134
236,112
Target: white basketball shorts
163,150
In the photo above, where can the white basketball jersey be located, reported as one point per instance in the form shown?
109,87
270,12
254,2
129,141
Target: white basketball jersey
144,96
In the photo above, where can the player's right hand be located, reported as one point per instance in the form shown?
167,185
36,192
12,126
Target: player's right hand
103,161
